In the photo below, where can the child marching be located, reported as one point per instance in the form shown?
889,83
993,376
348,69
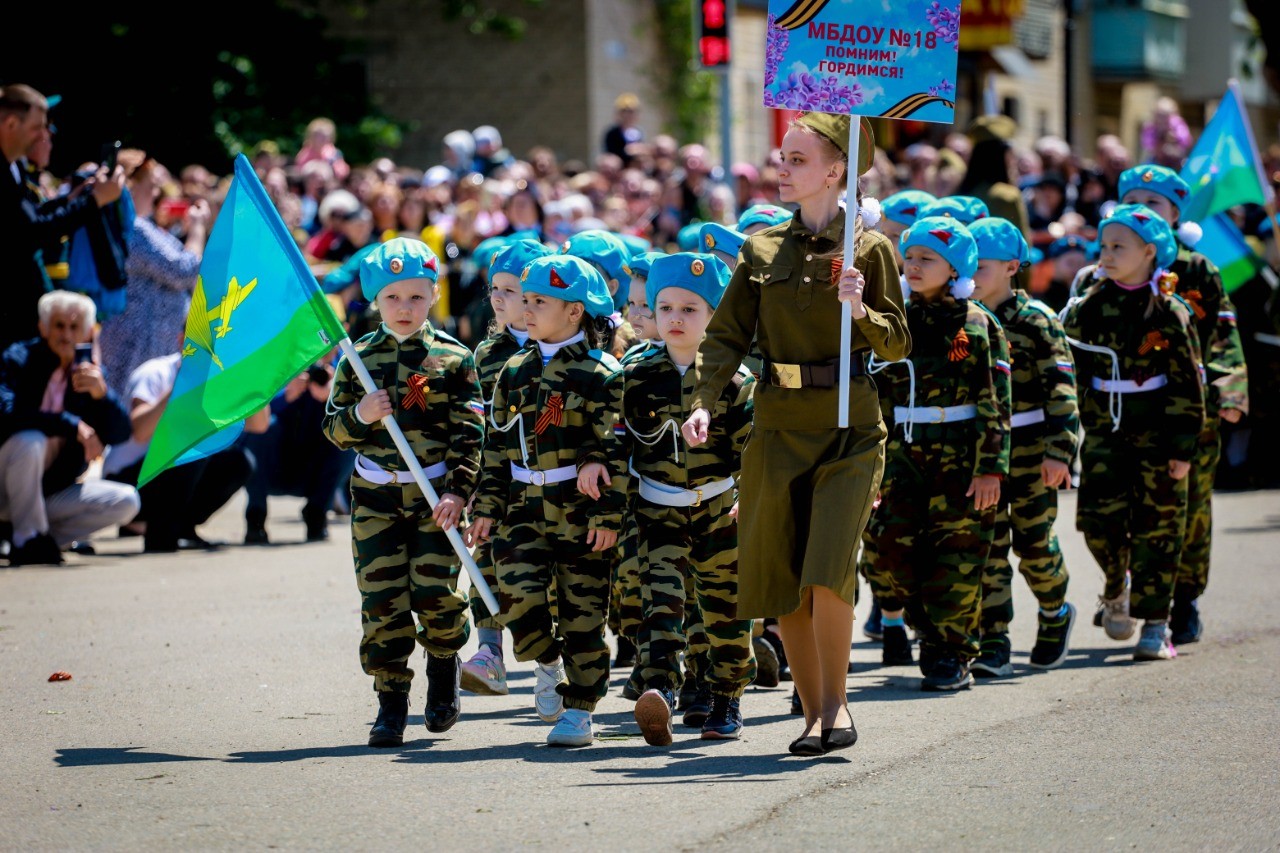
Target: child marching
1045,432
1142,410
553,490
406,567
686,506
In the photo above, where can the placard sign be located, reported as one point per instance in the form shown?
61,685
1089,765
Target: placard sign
876,58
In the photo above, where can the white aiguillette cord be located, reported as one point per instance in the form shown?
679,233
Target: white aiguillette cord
876,364
652,438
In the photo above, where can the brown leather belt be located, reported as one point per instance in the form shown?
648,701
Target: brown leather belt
818,374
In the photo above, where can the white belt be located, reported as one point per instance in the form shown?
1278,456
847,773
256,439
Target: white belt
664,495
934,414
542,478
1128,386
1021,419
379,476
1264,338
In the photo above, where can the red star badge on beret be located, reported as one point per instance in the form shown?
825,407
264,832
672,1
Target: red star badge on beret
557,281
942,234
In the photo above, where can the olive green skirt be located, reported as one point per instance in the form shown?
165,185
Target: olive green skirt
804,500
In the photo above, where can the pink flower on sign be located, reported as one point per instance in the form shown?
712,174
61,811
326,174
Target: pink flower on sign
946,23
774,50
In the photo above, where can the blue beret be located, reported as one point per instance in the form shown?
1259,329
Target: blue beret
714,237
513,257
398,259
569,278
484,252
904,207
1149,227
1157,179
636,244
705,275
763,214
949,238
1000,240
1069,243
639,265
1037,255
965,208
689,238
603,248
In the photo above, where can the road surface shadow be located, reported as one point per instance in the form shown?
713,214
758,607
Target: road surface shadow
117,755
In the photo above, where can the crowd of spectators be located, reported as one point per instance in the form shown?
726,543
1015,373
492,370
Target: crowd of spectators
652,190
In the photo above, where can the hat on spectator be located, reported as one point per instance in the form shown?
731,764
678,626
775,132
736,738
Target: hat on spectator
635,243
965,208
722,241
951,239
515,256
484,252
745,170
487,134
689,237
569,278
836,129
640,264
461,143
904,207
1149,227
398,259
437,175
1067,243
602,248
767,215
703,274
992,128
1000,240
338,201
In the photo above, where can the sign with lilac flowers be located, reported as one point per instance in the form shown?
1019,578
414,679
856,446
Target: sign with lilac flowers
876,58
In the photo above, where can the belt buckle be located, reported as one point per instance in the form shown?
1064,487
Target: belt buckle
538,478
942,414
784,377
698,501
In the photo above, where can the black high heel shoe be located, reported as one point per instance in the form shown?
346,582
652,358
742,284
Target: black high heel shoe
839,738
809,746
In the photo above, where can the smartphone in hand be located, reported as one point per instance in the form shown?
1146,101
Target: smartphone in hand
84,354
109,152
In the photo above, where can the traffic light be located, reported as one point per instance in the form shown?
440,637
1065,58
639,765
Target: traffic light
712,31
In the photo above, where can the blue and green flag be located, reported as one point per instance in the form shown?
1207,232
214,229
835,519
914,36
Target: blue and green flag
1224,169
1223,244
257,320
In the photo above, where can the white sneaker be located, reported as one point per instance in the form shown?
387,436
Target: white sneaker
573,729
1115,614
485,674
1155,643
546,701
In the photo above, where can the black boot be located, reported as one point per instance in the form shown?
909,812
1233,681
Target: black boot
317,523
388,729
896,649
626,653
255,527
444,680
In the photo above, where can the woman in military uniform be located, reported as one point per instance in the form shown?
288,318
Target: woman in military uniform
807,485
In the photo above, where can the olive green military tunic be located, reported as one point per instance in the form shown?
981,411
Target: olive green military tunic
806,487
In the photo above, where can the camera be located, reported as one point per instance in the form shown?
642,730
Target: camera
317,374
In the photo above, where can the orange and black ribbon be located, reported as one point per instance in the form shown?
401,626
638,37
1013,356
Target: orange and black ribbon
554,414
416,395
1193,298
959,347
1153,341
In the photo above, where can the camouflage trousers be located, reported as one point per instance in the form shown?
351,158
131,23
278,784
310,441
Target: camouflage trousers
1133,516
1193,571
928,545
683,550
405,568
1024,519
479,611
624,592
553,589
877,581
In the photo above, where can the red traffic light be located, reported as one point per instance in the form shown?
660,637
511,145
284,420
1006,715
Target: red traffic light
713,33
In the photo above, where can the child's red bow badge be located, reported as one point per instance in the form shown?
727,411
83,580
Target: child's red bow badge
416,396
1153,341
552,416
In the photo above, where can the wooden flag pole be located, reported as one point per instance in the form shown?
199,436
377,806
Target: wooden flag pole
850,249
420,477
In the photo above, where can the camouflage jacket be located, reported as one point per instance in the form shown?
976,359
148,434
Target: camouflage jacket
431,379
959,356
641,350
1200,286
569,413
781,295
1163,344
491,356
655,395
1043,374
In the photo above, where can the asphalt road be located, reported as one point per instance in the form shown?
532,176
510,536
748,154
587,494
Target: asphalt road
217,703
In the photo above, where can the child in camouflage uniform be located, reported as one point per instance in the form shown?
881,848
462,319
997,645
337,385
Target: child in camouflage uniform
486,672
1142,409
948,453
684,510
553,490
405,564
1226,381
1045,426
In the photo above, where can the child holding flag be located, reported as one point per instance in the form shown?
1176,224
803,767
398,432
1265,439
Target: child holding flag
405,564
486,672
686,507
1045,431
1226,381
553,490
1142,409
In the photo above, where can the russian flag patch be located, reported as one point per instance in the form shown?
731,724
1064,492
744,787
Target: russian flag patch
1229,316
1066,366
619,428
476,406
1003,366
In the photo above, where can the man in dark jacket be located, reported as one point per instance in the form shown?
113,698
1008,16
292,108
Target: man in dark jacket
26,225
56,416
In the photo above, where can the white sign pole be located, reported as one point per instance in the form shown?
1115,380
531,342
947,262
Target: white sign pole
850,250
420,477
